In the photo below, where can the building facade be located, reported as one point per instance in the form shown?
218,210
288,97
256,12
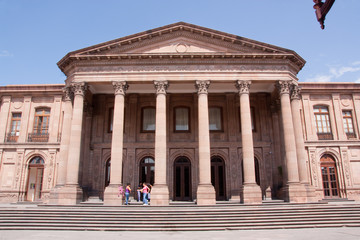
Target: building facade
199,114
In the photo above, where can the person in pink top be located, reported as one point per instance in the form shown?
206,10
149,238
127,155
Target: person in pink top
145,191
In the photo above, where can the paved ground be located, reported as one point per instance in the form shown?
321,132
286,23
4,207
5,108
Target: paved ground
288,234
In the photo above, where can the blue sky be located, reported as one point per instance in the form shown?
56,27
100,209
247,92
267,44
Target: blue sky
36,34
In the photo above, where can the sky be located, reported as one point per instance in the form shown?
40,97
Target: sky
36,34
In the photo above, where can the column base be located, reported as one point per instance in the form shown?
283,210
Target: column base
66,195
206,195
160,195
295,192
311,193
111,196
251,194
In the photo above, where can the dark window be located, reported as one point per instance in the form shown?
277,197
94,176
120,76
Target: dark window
182,119
148,119
215,119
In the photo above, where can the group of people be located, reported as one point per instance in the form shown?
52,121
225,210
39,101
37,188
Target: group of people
143,188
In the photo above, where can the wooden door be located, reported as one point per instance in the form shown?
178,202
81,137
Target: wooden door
182,179
218,178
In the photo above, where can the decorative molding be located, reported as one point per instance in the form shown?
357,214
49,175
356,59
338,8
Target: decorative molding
161,86
202,86
283,87
79,88
243,86
120,87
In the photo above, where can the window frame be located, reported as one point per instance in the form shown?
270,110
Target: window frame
188,116
221,119
142,130
40,129
323,135
346,125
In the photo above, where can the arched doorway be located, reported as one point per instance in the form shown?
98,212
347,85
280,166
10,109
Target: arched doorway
147,170
218,179
182,179
329,177
35,179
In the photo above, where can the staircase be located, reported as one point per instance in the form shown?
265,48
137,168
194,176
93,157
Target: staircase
179,218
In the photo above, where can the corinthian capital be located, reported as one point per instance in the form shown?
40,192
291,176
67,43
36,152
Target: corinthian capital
283,87
79,88
202,86
120,87
295,92
243,86
67,93
161,86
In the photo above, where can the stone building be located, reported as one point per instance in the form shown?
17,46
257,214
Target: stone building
200,114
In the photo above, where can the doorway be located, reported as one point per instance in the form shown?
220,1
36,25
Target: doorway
35,179
182,179
218,177
329,177
147,171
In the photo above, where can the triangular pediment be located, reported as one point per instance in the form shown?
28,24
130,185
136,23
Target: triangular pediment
179,39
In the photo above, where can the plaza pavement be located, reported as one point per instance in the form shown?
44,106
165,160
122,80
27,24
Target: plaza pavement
280,234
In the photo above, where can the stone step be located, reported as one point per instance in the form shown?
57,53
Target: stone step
180,218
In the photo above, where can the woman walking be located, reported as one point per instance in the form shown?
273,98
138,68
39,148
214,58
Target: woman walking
127,193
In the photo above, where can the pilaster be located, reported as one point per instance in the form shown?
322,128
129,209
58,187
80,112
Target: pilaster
4,115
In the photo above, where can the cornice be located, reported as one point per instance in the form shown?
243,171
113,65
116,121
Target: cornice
32,89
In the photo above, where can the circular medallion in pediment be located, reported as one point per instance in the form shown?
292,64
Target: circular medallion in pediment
181,48
346,101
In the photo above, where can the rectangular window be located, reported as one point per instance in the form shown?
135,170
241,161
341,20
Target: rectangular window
348,124
148,119
14,128
322,122
182,119
215,119
41,126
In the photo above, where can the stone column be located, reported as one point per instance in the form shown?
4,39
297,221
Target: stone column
111,192
294,192
299,140
206,191
72,192
64,146
251,192
4,115
160,191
